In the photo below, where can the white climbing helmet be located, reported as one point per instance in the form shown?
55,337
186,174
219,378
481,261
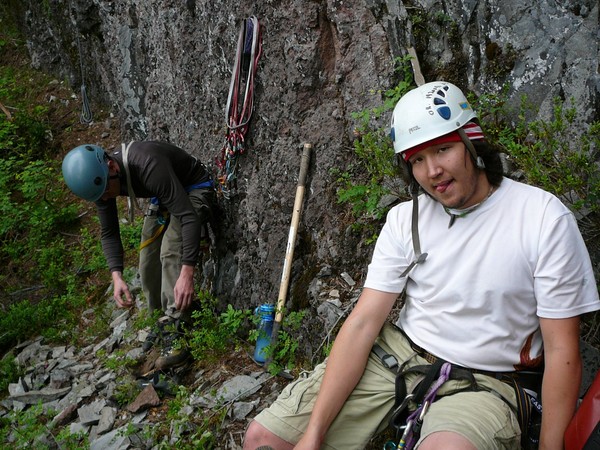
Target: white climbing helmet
427,112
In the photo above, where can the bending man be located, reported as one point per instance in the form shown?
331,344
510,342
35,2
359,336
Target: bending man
182,200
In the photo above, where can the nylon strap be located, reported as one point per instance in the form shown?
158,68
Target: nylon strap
478,161
152,238
419,257
131,199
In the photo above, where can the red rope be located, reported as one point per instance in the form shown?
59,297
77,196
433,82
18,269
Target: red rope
238,114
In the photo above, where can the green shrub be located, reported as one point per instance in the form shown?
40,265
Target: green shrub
212,333
373,175
9,372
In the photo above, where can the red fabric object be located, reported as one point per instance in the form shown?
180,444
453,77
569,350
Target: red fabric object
472,130
586,418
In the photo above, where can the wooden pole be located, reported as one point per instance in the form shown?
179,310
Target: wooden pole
289,252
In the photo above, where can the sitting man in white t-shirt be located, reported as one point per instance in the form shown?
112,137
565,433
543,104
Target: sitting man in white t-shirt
498,289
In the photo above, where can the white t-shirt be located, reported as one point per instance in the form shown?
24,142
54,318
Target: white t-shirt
475,301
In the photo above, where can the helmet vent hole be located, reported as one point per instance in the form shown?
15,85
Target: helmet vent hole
97,181
439,101
444,112
89,148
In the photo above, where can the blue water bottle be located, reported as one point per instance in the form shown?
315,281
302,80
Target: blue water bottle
265,327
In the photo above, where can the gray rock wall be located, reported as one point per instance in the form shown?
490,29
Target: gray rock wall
165,67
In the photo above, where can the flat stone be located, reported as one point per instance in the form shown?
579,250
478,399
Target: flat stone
44,395
239,387
108,416
81,368
17,388
241,410
90,414
348,279
65,416
59,378
111,441
147,398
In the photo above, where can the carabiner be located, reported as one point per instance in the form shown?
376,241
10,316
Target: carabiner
405,435
402,406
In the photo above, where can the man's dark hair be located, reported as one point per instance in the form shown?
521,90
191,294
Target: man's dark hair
493,163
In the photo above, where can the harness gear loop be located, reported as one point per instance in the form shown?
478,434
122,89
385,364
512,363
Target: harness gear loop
238,111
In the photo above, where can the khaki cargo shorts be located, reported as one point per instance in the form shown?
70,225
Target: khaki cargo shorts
482,417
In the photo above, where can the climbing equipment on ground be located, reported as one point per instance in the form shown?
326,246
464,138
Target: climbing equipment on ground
240,103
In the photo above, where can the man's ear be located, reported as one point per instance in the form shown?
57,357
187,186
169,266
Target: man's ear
113,166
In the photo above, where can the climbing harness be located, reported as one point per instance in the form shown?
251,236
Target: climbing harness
431,377
415,419
240,103
163,216
423,392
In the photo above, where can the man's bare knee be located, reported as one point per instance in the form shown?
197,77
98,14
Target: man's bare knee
258,436
446,440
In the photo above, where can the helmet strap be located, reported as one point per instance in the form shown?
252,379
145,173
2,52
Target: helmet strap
476,158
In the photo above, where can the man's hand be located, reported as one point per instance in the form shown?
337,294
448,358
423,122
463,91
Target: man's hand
184,288
121,291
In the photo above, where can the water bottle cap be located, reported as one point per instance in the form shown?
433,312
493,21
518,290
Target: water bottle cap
267,308
266,311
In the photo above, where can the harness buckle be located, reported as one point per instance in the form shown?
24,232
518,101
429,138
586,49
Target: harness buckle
389,362
421,259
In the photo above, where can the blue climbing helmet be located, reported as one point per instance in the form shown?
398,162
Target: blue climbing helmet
85,170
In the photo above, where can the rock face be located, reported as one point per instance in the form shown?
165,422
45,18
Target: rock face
165,66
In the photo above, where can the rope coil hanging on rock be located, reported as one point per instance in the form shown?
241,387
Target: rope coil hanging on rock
240,103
